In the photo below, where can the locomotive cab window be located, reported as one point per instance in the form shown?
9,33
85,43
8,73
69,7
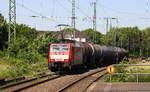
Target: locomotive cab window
64,48
59,48
55,48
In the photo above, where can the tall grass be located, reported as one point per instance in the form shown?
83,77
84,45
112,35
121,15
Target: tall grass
12,67
129,69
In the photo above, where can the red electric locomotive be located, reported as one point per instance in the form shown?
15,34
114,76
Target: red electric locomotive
67,55
63,56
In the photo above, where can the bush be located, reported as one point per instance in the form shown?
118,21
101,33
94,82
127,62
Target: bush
119,69
27,54
129,78
10,67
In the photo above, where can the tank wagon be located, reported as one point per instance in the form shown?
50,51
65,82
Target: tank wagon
67,55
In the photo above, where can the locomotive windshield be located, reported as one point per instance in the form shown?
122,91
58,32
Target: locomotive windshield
59,48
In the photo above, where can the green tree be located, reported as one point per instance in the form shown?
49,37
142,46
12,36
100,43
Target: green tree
23,30
146,42
126,37
42,42
69,29
95,36
3,33
20,49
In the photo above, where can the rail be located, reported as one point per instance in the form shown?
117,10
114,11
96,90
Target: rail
77,82
18,86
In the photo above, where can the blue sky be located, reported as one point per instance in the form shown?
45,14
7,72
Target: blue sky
128,12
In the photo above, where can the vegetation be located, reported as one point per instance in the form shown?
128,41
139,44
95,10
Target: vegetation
128,38
28,55
3,33
95,36
146,42
11,67
133,39
69,29
129,69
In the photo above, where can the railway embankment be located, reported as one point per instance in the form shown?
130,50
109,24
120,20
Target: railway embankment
11,68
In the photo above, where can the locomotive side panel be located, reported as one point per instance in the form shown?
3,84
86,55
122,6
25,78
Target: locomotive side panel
77,56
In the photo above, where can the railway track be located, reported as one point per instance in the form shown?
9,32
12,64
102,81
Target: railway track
58,83
81,84
18,86
64,83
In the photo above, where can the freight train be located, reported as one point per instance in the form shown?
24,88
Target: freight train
63,56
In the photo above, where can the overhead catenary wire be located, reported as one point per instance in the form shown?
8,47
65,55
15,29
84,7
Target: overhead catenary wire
53,8
80,10
137,15
147,5
41,6
66,9
86,18
120,12
50,17
35,12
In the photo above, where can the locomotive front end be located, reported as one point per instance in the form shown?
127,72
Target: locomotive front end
59,56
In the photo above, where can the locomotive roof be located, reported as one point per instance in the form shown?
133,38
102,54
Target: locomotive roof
67,34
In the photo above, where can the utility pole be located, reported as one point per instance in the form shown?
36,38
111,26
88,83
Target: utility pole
73,18
141,45
94,16
107,23
147,49
147,5
12,21
109,26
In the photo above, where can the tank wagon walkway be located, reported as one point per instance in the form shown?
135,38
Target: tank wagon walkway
119,87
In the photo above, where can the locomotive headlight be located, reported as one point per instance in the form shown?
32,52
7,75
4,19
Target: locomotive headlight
52,59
